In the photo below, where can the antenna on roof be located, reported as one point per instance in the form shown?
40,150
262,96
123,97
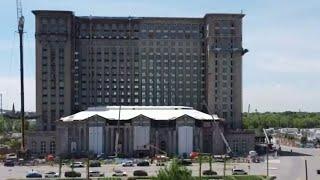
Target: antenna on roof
241,12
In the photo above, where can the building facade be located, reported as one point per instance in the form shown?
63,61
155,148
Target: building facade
143,131
84,61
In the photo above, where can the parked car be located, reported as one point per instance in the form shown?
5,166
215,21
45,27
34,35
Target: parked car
95,174
11,156
33,174
185,162
51,174
9,163
77,164
95,164
238,172
143,163
119,173
128,164
140,173
160,163
209,173
318,171
72,174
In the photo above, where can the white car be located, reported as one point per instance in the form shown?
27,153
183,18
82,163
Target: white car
238,172
119,173
77,164
95,174
51,174
128,164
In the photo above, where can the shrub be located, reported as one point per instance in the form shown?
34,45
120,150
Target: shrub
174,172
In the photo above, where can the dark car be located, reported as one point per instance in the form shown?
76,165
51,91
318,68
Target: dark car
185,162
72,174
34,174
318,171
95,164
140,173
143,163
209,173
9,163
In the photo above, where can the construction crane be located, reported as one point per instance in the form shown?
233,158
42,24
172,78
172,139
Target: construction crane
20,21
221,134
214,123
156,148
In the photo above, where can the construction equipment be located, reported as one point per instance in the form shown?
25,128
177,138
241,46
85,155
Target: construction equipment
268,148
214,123
156,148
20,21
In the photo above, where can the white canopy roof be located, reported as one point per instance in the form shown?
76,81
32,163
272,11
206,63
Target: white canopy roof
129,112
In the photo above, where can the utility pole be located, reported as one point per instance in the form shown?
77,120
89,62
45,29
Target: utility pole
20,31
1,111
200,165
267,160
306,167
224,167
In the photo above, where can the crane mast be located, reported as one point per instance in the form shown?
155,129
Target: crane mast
20,21
215,124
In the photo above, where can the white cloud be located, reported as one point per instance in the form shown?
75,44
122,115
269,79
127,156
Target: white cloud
281,97
10,88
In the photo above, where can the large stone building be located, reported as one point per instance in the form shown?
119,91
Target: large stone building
86,61
143,131
141,63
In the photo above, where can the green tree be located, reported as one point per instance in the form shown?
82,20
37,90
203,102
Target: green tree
303,139
174,172
14,144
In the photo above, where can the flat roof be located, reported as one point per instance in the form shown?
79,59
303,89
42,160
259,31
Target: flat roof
51,11
141,17
130,112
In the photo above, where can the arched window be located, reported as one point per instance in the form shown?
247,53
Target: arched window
43,147
52,147
34,147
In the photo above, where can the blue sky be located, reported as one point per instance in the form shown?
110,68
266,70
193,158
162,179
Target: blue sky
281,72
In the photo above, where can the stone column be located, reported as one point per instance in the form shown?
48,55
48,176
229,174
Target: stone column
112,140
107,141
175,145
125,140
201,139
86,135
157,141
79,137
131,141
170,141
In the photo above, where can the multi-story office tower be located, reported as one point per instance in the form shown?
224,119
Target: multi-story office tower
84,61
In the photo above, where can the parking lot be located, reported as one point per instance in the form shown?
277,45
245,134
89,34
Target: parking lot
284,167
108,169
